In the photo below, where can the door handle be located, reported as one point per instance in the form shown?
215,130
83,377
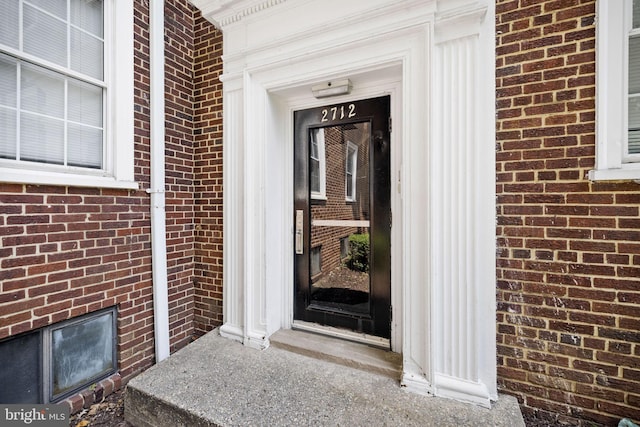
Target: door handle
299,232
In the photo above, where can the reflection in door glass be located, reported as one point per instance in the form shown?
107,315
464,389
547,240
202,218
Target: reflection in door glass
340,220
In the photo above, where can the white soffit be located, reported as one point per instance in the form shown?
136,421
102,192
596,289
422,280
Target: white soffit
282,19
224,13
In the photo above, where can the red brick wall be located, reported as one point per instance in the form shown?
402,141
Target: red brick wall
67,251
568,249
179,22
208,175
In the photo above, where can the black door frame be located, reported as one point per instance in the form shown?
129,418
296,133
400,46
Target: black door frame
376,111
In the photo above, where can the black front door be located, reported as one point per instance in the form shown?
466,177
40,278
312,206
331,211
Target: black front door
342,216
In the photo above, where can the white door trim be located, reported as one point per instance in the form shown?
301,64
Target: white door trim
382,81
436,58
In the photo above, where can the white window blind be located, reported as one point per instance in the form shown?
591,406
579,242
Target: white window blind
52,86
8,103
617,91
634,82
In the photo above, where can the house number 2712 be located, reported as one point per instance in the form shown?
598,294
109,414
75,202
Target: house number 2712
338,112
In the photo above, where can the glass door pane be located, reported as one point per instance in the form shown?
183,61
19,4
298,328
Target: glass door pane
340,221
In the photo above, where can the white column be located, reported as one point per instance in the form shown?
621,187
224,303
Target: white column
417,286
463,208
233,212
255,245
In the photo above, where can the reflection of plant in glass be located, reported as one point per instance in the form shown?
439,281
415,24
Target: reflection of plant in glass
358,257
81,352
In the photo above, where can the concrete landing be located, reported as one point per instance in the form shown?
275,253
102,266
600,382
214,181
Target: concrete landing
342,352
216,381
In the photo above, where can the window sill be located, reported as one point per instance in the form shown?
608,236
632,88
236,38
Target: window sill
318,200
64,179
629,172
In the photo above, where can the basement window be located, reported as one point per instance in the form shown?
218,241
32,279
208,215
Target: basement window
52,363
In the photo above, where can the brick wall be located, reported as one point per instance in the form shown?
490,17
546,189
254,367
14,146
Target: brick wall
179,167
568,249
208,175
68,251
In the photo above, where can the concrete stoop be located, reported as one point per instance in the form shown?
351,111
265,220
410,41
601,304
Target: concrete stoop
302,379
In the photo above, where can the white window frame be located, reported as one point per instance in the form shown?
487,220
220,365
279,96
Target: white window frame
322,160
612,68
118,170
353,159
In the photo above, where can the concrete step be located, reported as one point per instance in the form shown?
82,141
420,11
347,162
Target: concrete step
343,352
218,382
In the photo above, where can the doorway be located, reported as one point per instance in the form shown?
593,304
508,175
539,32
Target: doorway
342,216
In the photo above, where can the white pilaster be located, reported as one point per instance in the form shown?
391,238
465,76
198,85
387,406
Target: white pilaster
463,241
233,213
417,286
255,245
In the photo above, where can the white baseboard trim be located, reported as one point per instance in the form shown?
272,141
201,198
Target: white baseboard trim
416,384
462,390
232,332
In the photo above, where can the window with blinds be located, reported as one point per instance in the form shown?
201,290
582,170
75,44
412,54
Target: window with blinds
52,83
634,82
617,91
